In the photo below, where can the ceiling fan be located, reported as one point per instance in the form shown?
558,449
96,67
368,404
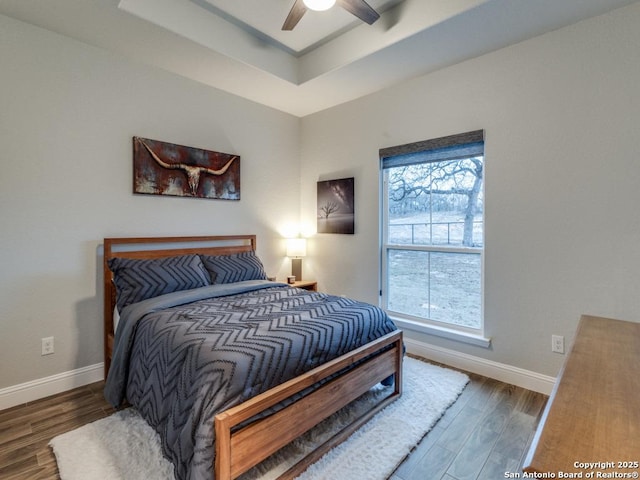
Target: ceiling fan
359,8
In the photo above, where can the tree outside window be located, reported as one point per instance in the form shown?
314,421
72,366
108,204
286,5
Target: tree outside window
433,235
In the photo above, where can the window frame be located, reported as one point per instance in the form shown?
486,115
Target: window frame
475,140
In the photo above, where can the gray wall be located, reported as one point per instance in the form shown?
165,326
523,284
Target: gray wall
561,115
68,113
560,112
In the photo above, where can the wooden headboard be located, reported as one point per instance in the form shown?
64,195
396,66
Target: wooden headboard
159,247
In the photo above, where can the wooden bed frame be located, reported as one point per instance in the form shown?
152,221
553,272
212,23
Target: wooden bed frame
239,449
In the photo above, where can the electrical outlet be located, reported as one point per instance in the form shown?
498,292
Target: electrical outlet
557,343
47,346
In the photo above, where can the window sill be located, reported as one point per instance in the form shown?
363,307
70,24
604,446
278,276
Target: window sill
450,334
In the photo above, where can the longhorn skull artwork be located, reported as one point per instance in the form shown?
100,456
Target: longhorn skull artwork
167,169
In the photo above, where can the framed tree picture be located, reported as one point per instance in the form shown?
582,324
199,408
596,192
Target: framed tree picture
336,212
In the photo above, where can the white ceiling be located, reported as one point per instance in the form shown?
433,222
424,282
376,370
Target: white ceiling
265,18
330,57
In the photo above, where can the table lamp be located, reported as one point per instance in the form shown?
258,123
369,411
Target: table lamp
296,249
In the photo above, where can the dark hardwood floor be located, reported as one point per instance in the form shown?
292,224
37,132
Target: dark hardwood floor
483,435
486,433
25,430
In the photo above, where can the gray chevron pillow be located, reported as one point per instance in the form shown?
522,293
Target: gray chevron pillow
234,268
137,280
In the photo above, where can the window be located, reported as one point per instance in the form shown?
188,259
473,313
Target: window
433,231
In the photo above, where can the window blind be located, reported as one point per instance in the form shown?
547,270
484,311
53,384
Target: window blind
452,147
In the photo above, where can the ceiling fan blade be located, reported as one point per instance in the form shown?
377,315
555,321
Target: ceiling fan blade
295,14
360,9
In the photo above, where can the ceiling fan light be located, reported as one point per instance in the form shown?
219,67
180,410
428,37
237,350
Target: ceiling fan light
319,5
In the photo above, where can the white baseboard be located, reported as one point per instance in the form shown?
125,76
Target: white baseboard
498,371
44,387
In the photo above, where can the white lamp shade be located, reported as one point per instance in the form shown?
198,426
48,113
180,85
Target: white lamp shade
296,247
319,5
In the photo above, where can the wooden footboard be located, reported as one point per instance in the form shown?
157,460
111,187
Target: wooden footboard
239,450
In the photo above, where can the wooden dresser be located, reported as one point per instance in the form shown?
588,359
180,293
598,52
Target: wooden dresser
591,422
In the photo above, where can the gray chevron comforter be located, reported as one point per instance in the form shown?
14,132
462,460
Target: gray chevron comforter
181,358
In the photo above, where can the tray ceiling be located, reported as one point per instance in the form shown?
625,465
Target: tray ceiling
264,18
330,58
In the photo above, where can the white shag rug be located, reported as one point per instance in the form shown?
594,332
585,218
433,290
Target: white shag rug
124,447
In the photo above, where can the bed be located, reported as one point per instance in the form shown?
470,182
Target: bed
227,366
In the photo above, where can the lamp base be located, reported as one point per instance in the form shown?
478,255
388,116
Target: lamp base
296,268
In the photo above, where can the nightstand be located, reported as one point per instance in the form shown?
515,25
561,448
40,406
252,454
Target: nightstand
306,285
